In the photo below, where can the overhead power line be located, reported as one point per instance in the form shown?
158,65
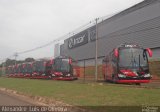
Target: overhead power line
79,29
53,41
57,40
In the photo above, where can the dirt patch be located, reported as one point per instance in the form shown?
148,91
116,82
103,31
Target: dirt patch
41,101
36,100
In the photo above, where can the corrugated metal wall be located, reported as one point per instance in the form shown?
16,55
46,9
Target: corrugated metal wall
140,26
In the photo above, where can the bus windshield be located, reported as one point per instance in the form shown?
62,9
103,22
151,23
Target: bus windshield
132,58
39,66
61,65
28,68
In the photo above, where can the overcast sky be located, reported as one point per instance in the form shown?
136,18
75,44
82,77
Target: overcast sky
26,24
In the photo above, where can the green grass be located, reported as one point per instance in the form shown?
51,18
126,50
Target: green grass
92,94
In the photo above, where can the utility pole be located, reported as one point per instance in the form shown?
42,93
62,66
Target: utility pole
96,51
3,68
16,54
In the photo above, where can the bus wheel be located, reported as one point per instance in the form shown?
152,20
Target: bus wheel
138,84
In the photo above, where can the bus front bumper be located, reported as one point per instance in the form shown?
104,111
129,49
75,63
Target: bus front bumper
133,81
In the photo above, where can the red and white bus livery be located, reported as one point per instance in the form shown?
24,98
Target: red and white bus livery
60,68
127,63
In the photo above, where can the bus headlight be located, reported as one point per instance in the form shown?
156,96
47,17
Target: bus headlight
147,75
68,74
121,75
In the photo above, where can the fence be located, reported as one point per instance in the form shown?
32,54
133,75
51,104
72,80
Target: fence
154,67
87,69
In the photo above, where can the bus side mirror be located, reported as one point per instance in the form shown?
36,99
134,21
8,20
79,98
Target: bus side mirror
116,53
149,52
51,61
70,61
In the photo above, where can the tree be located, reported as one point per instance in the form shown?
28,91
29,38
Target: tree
10,62
29,60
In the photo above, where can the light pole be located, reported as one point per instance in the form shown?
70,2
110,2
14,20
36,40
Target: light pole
16,54
96,50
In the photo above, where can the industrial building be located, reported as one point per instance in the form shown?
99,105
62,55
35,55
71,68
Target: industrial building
138,24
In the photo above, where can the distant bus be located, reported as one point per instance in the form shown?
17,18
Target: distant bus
62,68
38,69
127,63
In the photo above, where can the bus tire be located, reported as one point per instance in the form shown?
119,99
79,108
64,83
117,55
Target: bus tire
138,84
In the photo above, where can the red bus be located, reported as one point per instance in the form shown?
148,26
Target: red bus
27,69
20,70
62,68
38,69
127,63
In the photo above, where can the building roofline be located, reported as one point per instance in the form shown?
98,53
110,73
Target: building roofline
131,9
120,14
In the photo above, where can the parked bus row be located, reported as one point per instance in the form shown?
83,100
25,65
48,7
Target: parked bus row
127,63
60,68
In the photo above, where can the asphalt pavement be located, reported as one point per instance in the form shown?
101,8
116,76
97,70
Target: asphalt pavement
11,100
